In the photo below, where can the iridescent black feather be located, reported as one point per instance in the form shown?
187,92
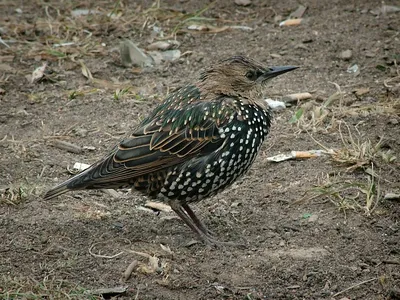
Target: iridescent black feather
194,144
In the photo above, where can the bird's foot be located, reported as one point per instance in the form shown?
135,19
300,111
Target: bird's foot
212,241
206,235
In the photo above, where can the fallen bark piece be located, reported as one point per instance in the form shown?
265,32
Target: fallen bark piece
296,97
158,206
67,146
291,22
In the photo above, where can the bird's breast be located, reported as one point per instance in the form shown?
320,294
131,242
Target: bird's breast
207,175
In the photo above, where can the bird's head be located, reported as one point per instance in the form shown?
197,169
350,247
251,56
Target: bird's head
238,75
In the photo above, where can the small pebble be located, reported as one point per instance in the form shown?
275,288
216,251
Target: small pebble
243,2
346,54
369,54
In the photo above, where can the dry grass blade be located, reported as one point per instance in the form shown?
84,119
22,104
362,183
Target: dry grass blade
14,194
354,286
357,154
101,255
348,194
85,70
28,288
195,17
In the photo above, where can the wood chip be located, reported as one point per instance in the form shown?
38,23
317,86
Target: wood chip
291,22
296,97
67,146
158,206
361,91
391,196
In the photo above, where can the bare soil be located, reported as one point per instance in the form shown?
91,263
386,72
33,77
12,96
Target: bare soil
343,244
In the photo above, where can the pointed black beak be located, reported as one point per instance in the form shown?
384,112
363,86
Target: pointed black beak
274,71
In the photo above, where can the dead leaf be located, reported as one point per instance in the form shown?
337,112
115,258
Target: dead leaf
144,269
361,91
38,73
85,71
153,262
166,249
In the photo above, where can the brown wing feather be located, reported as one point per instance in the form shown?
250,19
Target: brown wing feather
160,143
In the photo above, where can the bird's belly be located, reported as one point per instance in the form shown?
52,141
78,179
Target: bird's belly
206,176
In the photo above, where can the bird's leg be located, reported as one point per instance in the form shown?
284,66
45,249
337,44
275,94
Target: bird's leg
188,216
178,209
197,221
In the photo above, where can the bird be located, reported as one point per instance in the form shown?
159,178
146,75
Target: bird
197,142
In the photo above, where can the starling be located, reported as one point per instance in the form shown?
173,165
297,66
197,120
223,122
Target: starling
193,145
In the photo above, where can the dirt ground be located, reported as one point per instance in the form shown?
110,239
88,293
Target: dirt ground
318,228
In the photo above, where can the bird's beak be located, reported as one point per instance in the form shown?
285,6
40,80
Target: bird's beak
273,72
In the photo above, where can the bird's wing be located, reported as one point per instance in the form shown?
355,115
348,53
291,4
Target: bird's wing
169,137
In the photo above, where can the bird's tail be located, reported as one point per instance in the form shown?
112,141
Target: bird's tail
56,191
74,183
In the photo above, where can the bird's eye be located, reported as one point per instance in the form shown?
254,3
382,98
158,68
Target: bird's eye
253,74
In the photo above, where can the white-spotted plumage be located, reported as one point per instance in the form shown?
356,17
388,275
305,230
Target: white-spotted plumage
195,143
244,136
